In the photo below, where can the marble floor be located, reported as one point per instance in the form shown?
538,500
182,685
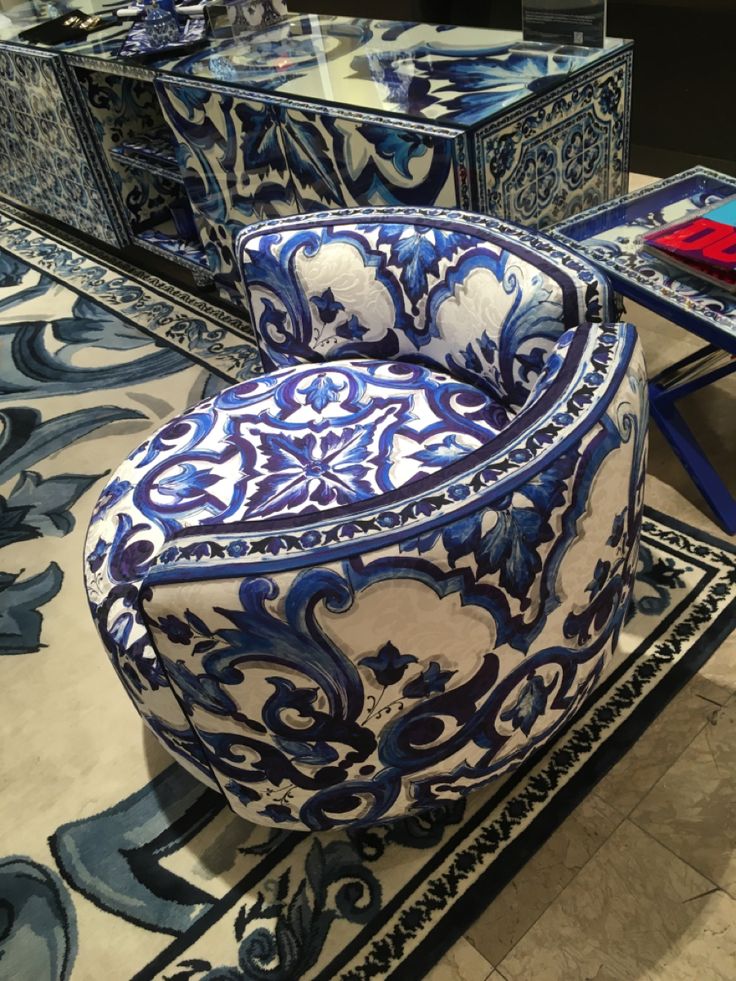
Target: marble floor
640,881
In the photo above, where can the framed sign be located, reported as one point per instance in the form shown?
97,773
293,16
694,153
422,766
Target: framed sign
558,22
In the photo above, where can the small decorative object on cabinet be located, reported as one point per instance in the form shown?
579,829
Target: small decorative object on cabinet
385,572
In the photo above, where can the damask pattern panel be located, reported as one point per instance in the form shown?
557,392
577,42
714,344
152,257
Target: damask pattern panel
339,159
231,154
559,154
123,109
49,161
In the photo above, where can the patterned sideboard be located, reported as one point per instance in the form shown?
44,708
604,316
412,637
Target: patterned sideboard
328,112
320,112
49,160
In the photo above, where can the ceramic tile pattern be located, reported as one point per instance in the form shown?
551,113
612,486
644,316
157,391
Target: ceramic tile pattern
561,154
610,236
416,72
398,114
123,109
231,152
48,161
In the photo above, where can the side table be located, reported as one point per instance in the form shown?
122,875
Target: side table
608,235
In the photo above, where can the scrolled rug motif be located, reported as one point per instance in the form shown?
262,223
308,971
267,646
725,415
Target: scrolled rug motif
116,863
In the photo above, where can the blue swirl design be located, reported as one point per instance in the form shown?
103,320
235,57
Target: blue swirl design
38,927
406,581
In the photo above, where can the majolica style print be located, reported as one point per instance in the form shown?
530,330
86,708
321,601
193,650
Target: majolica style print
543,162
158,874
48,160
366,897
377,624
413,115
124,109
235,172
344,160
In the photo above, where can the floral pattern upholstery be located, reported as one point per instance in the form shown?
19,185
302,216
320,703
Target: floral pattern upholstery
344,642
482,302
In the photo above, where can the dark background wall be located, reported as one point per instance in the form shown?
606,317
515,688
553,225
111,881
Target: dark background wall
684,102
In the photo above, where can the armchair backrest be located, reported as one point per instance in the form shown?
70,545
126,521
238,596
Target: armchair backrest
468,294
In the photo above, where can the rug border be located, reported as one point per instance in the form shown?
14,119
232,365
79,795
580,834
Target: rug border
158,288
454,923
476,899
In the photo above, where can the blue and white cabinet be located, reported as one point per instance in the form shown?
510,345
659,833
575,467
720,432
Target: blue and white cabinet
320,112
50,162
324,112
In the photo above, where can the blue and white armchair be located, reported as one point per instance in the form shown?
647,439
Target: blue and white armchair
386,571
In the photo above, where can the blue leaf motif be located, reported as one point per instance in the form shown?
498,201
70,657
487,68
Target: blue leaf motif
114,857
431,680
114,492
96,558
327,306
399,146
48,500
321,391
471,359
278,813
13,526
417,257
20,621
271,316
462,538
530,704
310,159
441,454
600,578
388,665
351,330
511,547
38,927
25,439
175,629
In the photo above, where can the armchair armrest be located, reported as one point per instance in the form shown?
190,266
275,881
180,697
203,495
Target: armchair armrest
467,293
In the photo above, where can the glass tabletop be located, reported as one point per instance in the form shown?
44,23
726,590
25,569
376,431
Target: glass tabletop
609,236
17,17
450,75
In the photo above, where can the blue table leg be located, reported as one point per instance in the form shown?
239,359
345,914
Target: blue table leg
690,374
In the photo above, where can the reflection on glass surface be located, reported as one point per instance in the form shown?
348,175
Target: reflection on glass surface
18,16
461,75
457,76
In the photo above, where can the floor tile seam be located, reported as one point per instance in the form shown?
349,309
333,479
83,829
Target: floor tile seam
716,710
715,888
647,792
717,706
703,875
554,899
479,952
622,819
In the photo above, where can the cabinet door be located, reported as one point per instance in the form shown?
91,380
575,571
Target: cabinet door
343,159
49,160
231,154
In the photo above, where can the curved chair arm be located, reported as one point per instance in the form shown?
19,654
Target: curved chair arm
479,297
482,608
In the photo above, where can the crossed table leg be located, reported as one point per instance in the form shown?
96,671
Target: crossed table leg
705,366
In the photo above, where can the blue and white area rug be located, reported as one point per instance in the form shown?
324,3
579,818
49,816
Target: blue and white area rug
117,864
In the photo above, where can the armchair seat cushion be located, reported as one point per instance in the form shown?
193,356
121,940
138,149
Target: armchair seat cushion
308,438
